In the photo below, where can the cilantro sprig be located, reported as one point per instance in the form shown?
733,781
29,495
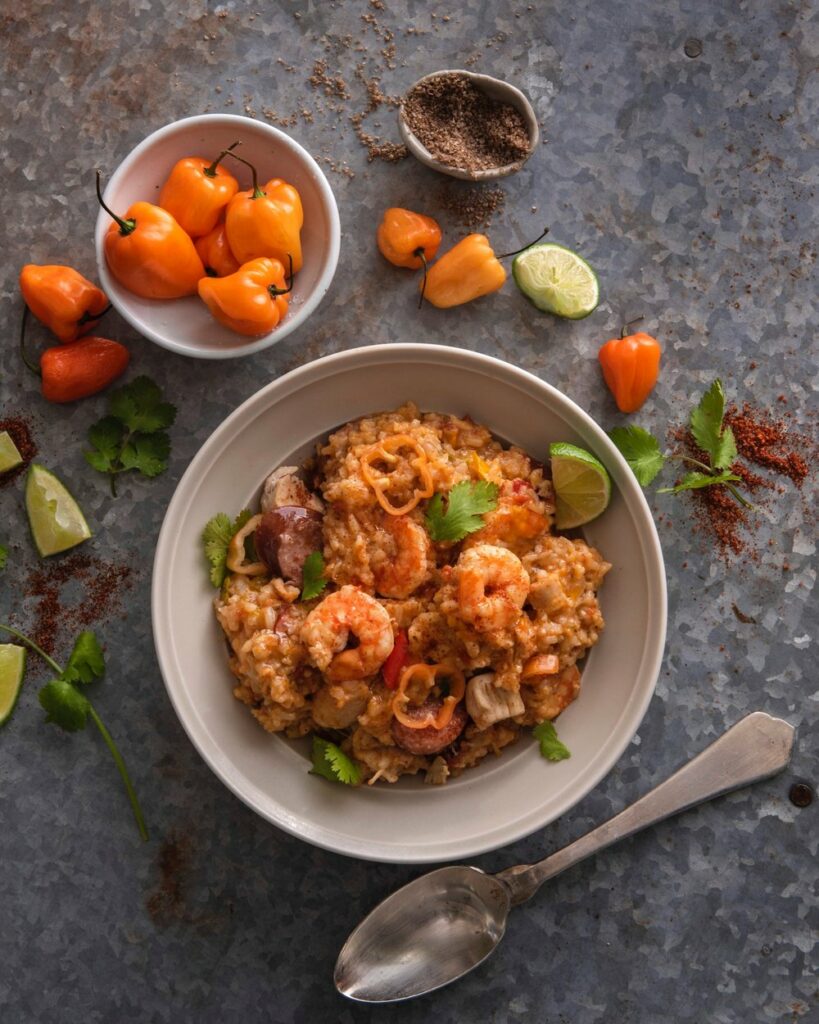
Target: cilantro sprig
330,761
466,505
133,435
67,706
550,746
642,451
217,535
313,581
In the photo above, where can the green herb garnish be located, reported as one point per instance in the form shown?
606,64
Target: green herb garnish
332,763
466,505
550,746
66,706
4,556
217,535
313,581
642,452
132,436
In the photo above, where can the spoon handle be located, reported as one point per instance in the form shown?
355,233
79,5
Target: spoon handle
756,748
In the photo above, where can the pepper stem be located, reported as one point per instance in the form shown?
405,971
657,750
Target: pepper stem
419,252
257,192
23,355
528,245
125,226
274,291
628,324
210,172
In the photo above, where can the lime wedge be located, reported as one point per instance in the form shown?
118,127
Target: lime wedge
9,454
12,667
582,485
56,521
557,280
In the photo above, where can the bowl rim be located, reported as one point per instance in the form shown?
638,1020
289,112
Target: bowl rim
305,309
422,154
632,713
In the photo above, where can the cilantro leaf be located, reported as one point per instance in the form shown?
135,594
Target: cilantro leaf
465,507
550,746
4,556
86,661
693,481
706,426
217,535
313,581
106,436
332,763
140,407
147,452
133,435
65,705
641,450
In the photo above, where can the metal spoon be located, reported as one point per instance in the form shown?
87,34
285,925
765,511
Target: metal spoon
442,925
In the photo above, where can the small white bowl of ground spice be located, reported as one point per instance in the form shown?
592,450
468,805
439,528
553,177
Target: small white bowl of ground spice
468,125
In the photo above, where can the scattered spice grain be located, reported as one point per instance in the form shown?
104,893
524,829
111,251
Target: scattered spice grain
472,206
19,431
462,127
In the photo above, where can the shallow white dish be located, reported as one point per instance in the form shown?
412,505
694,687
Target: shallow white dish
503,798
185,325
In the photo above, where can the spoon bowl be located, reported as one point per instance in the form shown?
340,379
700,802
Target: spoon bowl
429,933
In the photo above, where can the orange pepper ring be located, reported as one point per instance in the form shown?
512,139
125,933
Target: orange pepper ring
445,712
383,450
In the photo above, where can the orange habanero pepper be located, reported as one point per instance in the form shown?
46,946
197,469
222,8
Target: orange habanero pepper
215,253
251,301
631,364
66,302
470,269
196,192
266,222
81,368
408,239
149,253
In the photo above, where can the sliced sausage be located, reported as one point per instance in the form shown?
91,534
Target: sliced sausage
428,740
285,537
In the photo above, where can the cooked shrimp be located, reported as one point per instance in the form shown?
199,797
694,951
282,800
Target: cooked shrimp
492,587
403,572
329,626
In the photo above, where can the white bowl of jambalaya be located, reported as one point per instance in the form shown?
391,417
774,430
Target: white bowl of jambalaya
366,622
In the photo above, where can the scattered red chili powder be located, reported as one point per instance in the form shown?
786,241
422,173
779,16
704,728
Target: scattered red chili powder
767,442
56,614
168,899
19,431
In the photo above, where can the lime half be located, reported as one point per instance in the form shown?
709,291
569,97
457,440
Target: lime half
56,520
557,280
12,667
582,485
9,454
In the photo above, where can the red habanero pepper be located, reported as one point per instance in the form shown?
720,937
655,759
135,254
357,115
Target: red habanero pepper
81,368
